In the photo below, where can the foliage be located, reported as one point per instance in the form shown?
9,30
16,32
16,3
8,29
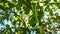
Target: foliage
24,16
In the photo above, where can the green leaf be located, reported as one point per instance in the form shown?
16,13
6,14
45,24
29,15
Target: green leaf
32,21
51,12
8,27
19,5
26,9
47,8
46,2
40,13
35,12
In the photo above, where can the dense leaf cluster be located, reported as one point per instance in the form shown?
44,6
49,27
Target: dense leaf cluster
26,16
